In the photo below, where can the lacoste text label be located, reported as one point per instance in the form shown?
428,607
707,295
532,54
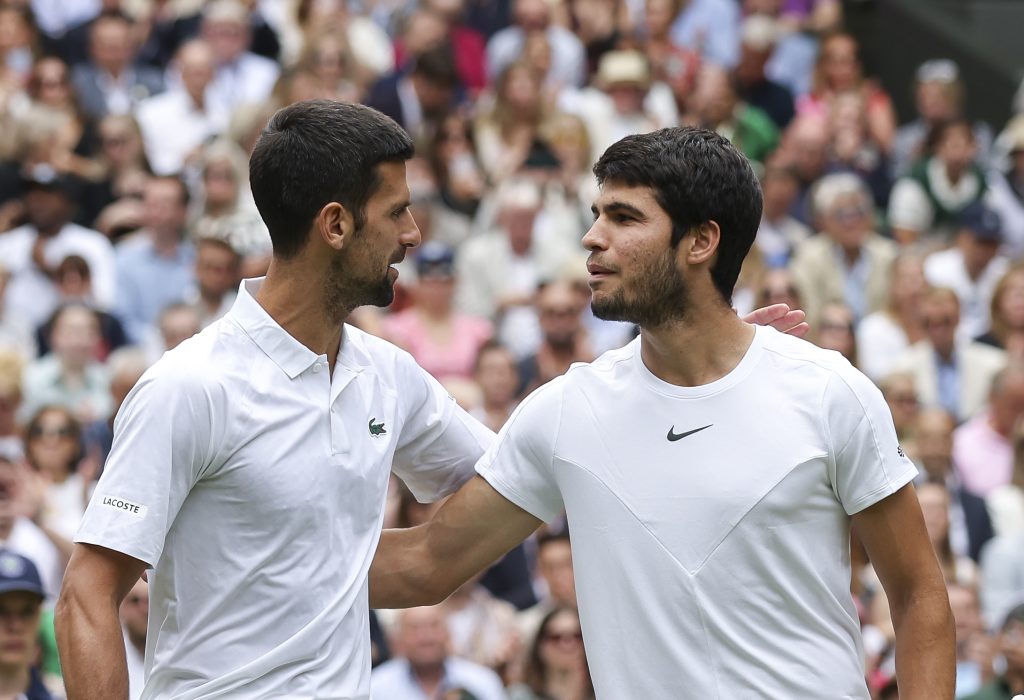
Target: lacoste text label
121,504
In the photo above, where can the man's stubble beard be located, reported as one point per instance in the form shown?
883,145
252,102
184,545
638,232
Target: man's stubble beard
663,298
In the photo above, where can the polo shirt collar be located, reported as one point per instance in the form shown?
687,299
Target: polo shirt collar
289,354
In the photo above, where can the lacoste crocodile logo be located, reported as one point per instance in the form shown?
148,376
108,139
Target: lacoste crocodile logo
377,429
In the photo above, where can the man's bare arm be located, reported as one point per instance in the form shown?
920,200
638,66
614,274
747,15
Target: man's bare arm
89,639
897,543
424,564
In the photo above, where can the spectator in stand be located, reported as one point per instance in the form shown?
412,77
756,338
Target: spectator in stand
564,340
178,322
497,373
134,615
21,599
1011,647
70,376
330,63
1006,187
423,668
455,184
481,627
12,364
114,197
420,98
240,76
927,203
952,372
901,396
468,45
1002,577
938,97
780,233
18,44
155,266
717,106
175,123
555,579
1006,503
1007,313
126,366
759,35
839,70
851,148
443,341
970,527
671,64
934,499
972,267
835,330
711,28
884,335
19,500
556,664
983,446
805,148
216,279
568,65
54,448
975,649
111,82
847,261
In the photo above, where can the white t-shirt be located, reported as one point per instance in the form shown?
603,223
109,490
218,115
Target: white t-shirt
255,485
710,525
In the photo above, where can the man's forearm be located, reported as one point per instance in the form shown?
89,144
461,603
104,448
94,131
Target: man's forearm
925,647
91,646
399,575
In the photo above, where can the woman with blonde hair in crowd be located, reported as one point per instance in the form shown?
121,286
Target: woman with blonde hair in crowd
839,70
886,334
1006,330
556,662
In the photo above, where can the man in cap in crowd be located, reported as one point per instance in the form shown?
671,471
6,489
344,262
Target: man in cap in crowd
21,600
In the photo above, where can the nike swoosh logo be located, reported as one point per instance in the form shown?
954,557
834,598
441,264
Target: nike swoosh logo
673,436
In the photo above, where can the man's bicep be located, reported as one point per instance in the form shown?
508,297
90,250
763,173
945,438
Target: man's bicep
894,535
477,526
99,571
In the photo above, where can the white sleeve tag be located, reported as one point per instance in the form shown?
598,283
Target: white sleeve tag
135,509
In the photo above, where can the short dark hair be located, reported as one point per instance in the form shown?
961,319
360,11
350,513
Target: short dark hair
315,152
697,176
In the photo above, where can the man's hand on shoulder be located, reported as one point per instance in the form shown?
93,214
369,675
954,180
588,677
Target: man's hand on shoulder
781,318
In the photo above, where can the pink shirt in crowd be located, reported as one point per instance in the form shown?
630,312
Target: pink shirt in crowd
456,358
983,457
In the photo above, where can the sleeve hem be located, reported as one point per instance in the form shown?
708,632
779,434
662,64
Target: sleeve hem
499,485
893,485
148,558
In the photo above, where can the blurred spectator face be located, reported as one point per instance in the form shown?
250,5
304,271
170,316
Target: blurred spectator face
659,15
936,101
111,45
195,61
714,98
50,82
120,140
15,32
425,30
780,188
907,284
559,307
835,329
435,291
48,209
164,206
956,148
422,637
19,625
520,90
75,336
839,62
134,611
1007,402
940,316
966,613
74,280
216,268
178,324
220,185
778,288
329,58
898,391
532,15
934,442
561,642
934,500
848,220
1011,644
497,375
977,252
554,563
807,147
53,442
228,38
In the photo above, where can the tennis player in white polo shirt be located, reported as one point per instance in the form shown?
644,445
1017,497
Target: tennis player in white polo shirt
710,470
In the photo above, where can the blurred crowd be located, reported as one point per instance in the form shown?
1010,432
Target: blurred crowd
126,224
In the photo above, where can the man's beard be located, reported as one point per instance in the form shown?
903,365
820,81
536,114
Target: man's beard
346,292
663,297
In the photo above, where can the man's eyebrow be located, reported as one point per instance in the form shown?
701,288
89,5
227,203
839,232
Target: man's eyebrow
621,208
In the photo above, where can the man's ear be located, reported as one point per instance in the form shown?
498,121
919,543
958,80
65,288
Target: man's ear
702,242
335,225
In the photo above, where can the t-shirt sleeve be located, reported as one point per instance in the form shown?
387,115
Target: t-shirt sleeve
868,463
162,446
519,465
439,443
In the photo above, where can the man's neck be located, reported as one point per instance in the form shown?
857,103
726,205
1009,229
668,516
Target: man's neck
697,350
429,677
165,242
294,298
49,231
14,680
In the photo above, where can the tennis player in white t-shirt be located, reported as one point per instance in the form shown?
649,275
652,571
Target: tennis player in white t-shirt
710,470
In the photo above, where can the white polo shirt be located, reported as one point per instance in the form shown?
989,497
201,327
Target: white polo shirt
255,483
710,525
